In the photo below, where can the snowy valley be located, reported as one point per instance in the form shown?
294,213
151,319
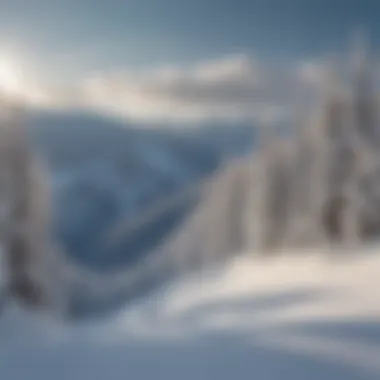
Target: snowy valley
218,252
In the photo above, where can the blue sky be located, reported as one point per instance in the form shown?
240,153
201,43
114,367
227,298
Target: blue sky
59,40
103,33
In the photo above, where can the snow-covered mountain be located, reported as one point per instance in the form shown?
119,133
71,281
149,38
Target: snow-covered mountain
105,172
134,206
121,193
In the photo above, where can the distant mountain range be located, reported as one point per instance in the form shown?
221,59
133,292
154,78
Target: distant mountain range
106,173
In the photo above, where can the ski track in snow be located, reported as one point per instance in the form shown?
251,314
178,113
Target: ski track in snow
296,316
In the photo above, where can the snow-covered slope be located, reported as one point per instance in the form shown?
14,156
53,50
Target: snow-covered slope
303,315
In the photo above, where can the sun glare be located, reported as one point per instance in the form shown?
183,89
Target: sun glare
10,77
15,87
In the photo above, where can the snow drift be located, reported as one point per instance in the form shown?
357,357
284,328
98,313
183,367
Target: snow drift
306,315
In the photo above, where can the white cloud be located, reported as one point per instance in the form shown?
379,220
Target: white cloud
312,72
234,87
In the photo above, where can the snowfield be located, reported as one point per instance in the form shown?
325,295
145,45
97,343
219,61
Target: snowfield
304,315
